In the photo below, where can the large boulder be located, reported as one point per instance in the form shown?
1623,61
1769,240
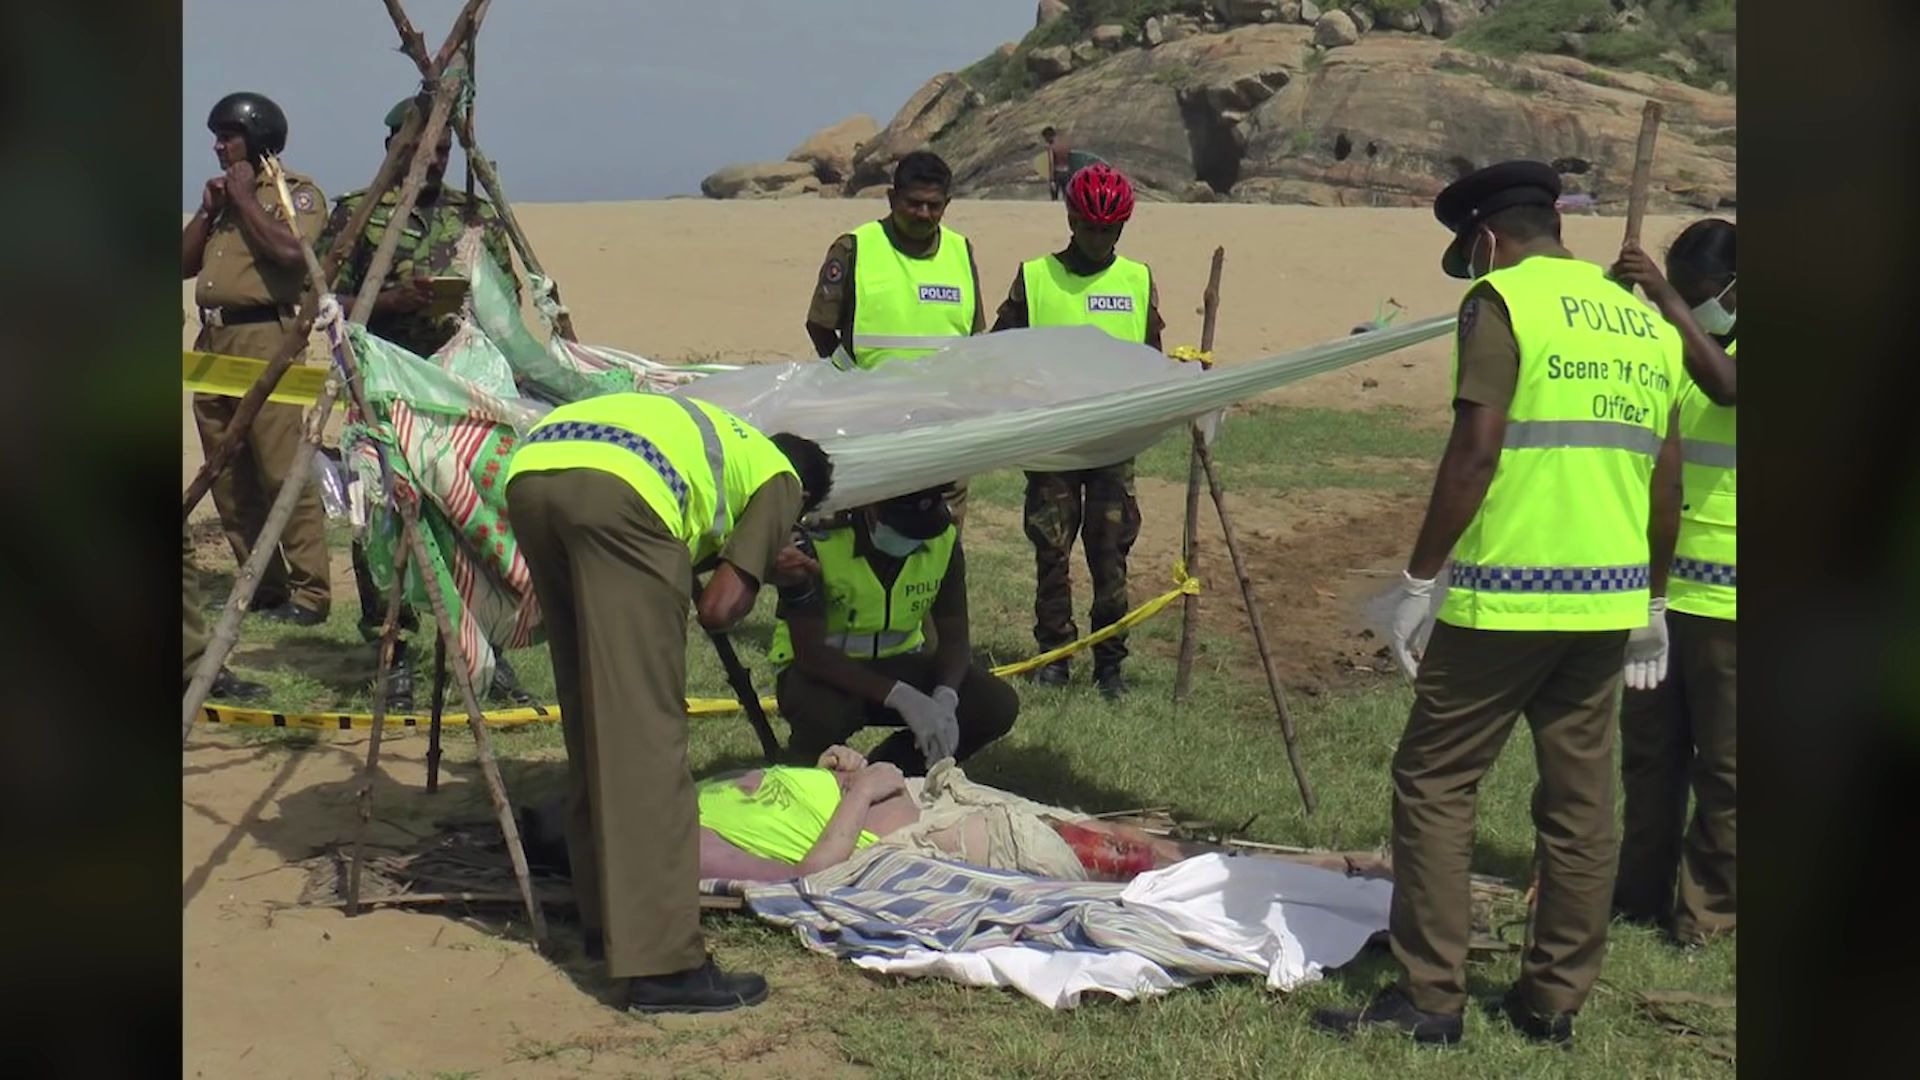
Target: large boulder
1153,32
831,149
927,114
1362,17
1050,63
1407,22
1287,11
761,180
1309,12
1049,10
1445,18
1110,36
1334,30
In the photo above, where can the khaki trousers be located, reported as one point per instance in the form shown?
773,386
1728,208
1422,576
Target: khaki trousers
1472,687
614,589
244,492
1677,736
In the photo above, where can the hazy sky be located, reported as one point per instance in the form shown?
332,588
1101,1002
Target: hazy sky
581,99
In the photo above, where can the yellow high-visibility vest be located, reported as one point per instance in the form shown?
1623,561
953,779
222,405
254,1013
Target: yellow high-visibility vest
695,464
1703,580
904,307
1560,541
1115,299
865,620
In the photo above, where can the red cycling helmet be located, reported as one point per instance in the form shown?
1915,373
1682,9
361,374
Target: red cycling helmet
1101,194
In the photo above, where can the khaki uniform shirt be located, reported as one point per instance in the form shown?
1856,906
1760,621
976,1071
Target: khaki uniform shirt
231,276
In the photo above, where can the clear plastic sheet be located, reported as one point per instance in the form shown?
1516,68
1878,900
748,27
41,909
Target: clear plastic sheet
1045,399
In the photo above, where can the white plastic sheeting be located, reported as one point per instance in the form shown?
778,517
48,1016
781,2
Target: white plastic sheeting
1045,399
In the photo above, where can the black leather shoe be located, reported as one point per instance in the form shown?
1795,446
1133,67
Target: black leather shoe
1112,684
704,989
1556,1028
230,687
1390,1008
267,602
1054,674
295,614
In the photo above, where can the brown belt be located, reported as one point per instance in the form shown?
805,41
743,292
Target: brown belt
238,316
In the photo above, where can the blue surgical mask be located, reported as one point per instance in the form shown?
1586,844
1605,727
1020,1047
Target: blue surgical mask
1712,317
893,543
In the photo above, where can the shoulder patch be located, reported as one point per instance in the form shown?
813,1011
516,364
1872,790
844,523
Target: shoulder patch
833,272
1469,311
305,200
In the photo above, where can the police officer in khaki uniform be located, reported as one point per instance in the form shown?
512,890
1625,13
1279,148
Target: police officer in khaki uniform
617,501
1563,386
251,274
909,253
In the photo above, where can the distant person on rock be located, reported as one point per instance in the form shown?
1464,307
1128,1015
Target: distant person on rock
1059,170
901,287
1085,284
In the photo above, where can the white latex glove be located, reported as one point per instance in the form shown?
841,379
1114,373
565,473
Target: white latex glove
936,731
1411,612
1647,649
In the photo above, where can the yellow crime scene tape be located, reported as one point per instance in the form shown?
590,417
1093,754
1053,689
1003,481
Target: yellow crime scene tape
1184,584
232,376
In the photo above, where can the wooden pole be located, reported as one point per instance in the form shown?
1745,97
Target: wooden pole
1642,171
416,548
227,633
1189,536
481,167
439,709
473,207
389,637
1259,629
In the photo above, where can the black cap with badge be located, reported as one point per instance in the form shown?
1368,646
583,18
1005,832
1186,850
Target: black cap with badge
921,515
1477,196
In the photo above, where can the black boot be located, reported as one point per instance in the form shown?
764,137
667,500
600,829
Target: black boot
704,989
1054,674
1391,1008
1112,684
399,681
506,688
1556,1028
230,687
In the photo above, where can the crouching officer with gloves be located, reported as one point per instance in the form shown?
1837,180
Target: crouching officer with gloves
850,646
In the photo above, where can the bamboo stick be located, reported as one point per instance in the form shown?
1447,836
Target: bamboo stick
1189,536
1259,629
439,710
389,635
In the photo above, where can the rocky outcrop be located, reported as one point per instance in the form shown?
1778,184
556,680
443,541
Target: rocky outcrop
763,180
1049,10
1386,121
831,150
1050,63
925,117
1445,18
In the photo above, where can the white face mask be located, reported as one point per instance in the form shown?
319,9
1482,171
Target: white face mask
1713,318
891,542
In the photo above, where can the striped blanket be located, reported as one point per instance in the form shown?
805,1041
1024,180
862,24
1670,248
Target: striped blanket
893,904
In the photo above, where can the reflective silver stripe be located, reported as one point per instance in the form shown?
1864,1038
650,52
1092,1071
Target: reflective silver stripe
869,644
716,461
895,341
1716,455
1581,435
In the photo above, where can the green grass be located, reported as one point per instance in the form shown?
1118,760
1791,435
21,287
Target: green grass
1219,759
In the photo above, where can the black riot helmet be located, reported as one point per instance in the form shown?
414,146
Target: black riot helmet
257,117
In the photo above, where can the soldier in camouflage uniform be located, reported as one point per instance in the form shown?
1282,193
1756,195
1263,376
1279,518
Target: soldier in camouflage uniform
1085,283
441,215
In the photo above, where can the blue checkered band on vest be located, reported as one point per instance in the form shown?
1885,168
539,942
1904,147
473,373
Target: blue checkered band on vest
1704,572
1549,579
575,431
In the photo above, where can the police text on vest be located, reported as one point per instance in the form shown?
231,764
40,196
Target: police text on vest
1104,304
939,294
